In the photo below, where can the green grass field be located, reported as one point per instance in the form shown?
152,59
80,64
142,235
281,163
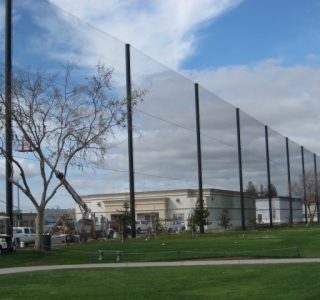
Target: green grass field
185,283
288,242
210,282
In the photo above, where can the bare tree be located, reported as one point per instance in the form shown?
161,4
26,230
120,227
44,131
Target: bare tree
310,196
224,219
64,121
263,192
273,191
251,189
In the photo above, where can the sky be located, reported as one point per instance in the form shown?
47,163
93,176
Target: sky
252,54
261,56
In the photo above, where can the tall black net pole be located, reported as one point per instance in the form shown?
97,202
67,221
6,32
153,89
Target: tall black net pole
130,142
199,153
243,225
268,174
8,118
304,186
316,186
289,180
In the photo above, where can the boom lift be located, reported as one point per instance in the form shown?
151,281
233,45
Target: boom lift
86,226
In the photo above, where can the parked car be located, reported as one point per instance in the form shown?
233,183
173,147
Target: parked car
175,228
143,226
27,235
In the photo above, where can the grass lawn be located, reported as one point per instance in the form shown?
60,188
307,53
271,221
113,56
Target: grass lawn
289,242
211,282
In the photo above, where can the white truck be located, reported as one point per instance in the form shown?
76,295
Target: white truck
26,235
7,242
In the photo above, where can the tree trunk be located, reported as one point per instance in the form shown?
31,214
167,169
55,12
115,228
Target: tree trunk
311,216
39,229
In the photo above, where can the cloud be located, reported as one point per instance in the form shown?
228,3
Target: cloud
313,58
284,98
29,168
165,140
162,29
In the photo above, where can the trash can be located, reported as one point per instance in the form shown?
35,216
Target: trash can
46,242
110,234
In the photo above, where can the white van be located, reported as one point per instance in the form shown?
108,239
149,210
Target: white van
27,235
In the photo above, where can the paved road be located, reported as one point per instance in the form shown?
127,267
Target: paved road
161,264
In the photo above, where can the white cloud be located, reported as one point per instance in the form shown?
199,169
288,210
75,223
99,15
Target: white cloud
162,29
284,98
313,58
29,168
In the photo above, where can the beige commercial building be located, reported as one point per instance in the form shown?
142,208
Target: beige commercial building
174,206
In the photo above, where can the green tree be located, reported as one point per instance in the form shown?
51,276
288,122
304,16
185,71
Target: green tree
199,216
123,217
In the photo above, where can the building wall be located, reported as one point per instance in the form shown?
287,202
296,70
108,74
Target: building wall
164,204
218,200
180,205
174,206
280,210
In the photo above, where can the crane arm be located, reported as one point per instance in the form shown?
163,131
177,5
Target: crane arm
85,210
